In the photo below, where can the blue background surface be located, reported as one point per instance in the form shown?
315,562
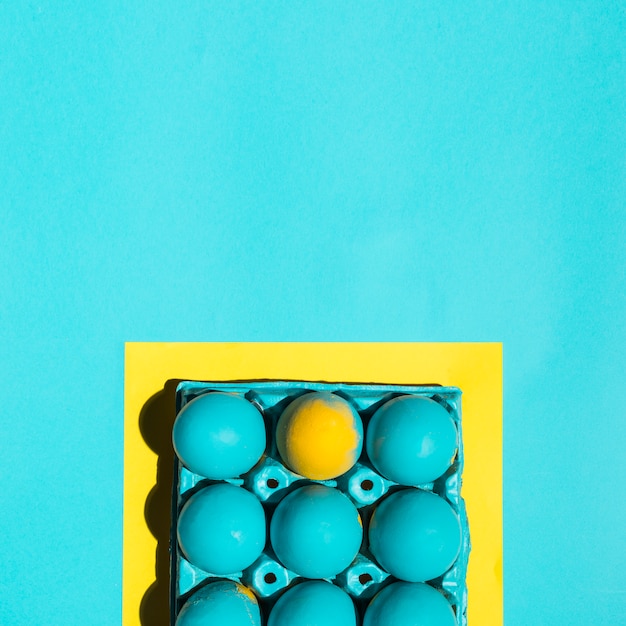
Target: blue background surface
302,171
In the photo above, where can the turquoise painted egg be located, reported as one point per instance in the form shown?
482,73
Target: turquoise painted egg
220,603
313,603
411,440
409,604
219,435
415,535
221,529
316,531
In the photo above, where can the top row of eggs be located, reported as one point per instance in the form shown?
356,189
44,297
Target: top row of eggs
410,439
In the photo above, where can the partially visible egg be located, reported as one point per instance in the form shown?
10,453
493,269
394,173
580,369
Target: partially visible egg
221,529
313,603
220,603
316,531
411,440
415,535
319,435
409,603
219,435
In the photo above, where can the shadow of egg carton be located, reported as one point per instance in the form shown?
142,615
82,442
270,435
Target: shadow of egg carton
270,481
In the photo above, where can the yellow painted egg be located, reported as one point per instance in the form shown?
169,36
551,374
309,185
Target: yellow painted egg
319,435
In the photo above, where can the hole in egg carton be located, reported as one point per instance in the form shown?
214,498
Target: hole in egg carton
271,481
363,484
362,579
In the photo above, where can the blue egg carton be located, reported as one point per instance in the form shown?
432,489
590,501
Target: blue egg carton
270,480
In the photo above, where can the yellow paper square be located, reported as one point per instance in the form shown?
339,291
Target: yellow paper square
476,368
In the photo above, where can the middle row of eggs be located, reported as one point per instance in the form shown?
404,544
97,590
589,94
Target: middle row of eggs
410,440
316,532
